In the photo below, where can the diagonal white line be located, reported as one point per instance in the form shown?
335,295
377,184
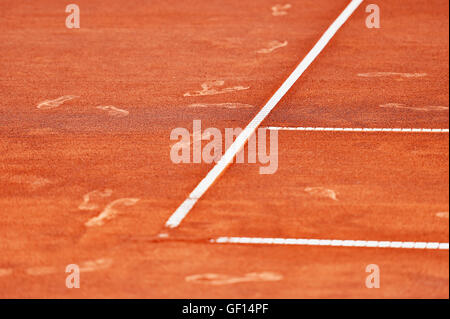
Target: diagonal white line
331,243
184,209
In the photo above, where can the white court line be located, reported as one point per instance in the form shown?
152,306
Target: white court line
362,129
184,209
331,243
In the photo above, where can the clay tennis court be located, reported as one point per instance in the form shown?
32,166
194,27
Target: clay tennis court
86,176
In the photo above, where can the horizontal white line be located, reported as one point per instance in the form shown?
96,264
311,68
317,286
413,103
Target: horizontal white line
331,243
183,210
361,129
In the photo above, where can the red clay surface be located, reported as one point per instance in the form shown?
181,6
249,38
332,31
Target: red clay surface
413,39
143,57
388,187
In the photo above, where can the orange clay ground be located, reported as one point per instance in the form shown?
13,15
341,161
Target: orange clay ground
62,166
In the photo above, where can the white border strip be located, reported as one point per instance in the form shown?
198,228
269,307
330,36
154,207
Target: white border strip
184,209
370,130
331,243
